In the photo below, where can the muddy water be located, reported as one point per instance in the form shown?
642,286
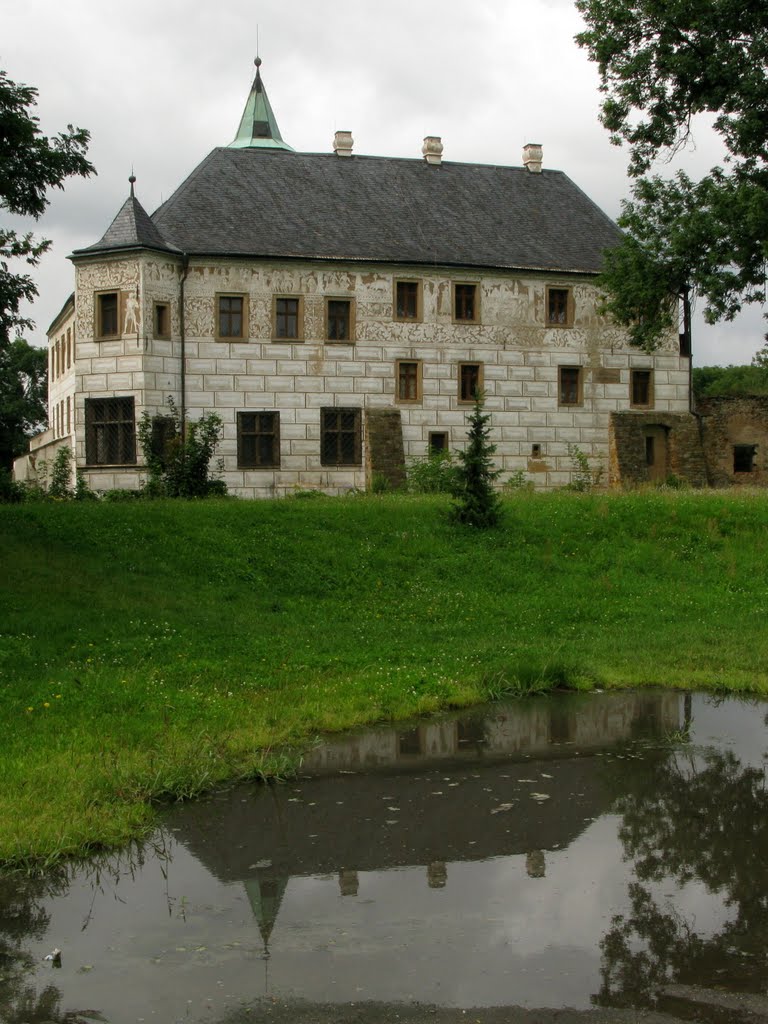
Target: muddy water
602,852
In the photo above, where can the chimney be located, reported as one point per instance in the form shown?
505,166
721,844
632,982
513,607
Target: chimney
533,154
342,143
433,149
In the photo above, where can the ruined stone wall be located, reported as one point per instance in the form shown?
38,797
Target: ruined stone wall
685,455
730,422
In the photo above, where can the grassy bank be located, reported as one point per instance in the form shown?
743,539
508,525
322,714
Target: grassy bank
153,649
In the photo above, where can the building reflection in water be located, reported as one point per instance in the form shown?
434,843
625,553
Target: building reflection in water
436,796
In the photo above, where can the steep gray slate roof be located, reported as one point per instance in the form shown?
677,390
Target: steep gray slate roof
269,203
132,228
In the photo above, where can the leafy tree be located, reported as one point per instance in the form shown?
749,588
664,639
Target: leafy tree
716,381
476,502
30,165
661,64
23,395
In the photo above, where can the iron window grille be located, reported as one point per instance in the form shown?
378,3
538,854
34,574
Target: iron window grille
110,432
258,440
341,437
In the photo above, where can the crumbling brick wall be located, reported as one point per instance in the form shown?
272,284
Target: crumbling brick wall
627,453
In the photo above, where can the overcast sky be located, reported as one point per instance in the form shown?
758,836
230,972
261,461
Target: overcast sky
159,83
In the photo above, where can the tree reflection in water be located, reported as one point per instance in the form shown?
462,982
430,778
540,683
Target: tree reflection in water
23,918
697,815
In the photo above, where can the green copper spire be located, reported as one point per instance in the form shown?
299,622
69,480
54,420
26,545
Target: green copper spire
258,126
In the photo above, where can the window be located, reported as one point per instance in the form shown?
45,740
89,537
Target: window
341,437
407,300
288,318
69,414
465,305
338,320
641,389
470,381
162,319
110,433
438,442
107,315
69,347
744,458
535,451
258,440
650,450
570,385
408,373
231,317
559,307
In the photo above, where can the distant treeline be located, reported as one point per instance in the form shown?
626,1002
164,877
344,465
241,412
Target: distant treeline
714,381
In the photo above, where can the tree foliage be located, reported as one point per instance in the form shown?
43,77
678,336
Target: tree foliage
476,502
732,381
661,65
23,396
30,165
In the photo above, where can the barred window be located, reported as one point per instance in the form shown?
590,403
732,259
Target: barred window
341,437
110,432
258,440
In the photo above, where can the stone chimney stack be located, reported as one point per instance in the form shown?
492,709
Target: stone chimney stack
533,154
433,149
342,143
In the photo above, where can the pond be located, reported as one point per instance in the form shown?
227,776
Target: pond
605,853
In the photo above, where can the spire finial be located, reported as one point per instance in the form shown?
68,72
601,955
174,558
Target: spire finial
132,181
257,62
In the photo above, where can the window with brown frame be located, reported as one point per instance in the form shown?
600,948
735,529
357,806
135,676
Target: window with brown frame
465,304
110,432
107,315
69,347
339,320
341,437
641,389
470,381
559,307
161,316
231,317
408,374
407,300
287,318
258,440
569,387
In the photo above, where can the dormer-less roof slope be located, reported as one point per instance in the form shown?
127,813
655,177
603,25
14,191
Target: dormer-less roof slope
270,203
132,228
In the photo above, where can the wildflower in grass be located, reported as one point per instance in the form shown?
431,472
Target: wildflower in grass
30,709
46,704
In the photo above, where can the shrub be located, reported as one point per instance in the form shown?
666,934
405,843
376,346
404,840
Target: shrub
433,474
179,466
583,476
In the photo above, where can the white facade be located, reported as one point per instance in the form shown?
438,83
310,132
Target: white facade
520,357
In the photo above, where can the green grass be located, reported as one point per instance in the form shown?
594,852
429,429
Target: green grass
157,649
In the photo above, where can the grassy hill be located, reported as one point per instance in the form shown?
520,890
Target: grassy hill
153,649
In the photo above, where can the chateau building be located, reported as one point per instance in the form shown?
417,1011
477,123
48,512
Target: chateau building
339,311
